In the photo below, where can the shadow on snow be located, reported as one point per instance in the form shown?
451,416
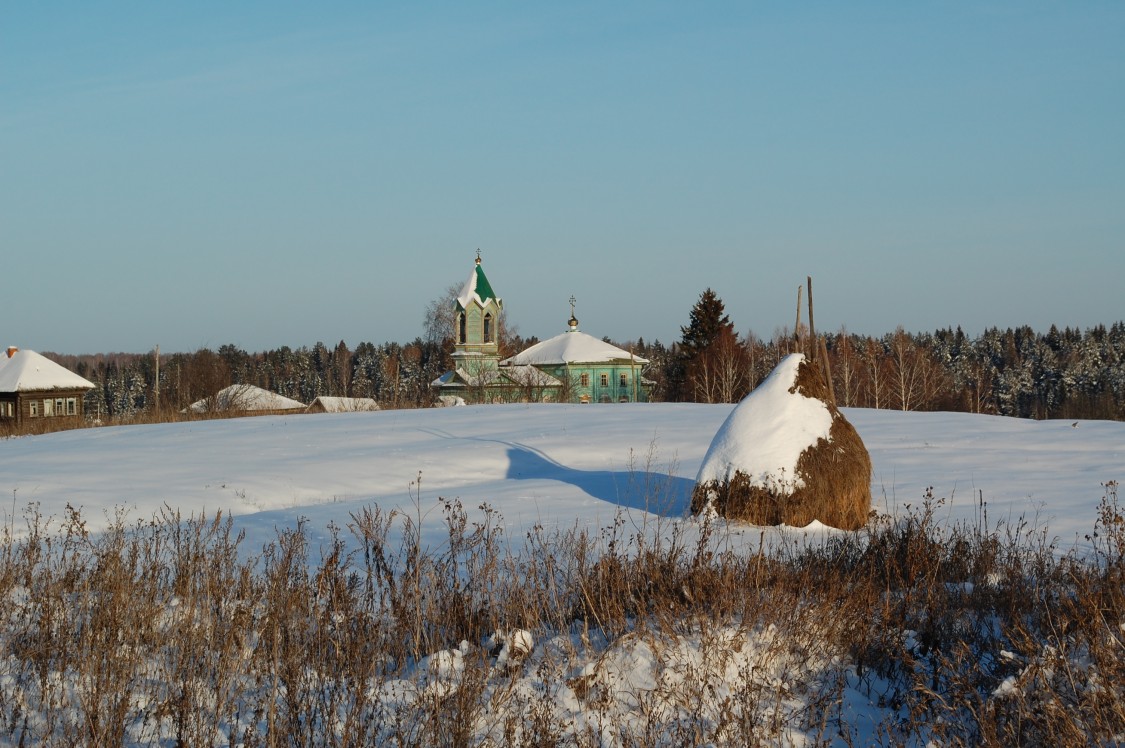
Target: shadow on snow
658,493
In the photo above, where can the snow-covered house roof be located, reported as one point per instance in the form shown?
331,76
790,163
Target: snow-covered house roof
28,371
571,347
529,376
326,404
521,376
244,397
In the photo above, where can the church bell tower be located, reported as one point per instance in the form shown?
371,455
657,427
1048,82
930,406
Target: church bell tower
476,329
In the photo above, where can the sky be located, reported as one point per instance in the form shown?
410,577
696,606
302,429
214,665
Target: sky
195,174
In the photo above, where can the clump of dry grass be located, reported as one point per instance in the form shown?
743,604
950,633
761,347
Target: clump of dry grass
171,631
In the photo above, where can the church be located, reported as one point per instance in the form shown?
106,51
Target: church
572,367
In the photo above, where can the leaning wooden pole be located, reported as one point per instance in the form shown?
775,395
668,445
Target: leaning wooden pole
814,354
827,371
820,348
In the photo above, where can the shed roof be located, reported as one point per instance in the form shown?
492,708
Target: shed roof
330,404
245,397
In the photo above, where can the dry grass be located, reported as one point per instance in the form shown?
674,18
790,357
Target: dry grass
835,475
171,632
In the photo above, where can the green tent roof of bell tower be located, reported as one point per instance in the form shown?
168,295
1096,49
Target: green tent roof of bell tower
479,288
484,290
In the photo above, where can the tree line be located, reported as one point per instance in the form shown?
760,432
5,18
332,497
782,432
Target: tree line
1065,373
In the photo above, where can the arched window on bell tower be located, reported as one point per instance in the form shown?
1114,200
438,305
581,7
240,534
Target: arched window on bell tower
461,328
488,328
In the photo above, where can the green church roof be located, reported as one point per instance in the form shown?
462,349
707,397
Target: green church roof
484,291
477,287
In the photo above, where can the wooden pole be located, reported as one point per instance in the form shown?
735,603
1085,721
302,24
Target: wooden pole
814,353
820,349
797,329
827,370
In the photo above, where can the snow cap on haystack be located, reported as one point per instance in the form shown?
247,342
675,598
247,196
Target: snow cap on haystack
786,455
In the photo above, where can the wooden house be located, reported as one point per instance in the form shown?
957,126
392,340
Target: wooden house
36,390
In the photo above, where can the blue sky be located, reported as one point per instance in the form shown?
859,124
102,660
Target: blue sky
270,174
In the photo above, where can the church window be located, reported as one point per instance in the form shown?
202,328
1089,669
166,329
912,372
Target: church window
488,328
605,380
461,327
584,379
623,379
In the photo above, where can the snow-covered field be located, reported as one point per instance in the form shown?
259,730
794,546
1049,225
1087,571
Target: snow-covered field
535,464
552,466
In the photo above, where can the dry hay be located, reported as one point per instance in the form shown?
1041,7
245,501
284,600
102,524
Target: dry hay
836,474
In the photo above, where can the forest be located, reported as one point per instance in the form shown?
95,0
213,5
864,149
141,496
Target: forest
1068,373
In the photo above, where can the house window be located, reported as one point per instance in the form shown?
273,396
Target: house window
59,405
623,379
584,379
604,380
488,328
33,408
72,406
48,408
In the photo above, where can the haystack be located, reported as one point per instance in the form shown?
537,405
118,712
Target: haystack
786,455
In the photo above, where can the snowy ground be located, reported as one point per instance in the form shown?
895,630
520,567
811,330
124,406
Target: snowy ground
548,464
555,465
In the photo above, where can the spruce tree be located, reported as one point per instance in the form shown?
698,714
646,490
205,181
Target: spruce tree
707,323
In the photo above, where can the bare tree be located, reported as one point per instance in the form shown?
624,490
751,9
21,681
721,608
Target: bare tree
720,373
441,319
906,368
845,368
875,384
